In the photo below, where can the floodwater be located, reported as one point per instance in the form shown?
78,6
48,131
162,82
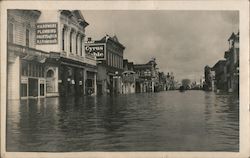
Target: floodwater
164,121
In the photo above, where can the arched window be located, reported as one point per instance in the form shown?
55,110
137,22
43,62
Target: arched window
50,73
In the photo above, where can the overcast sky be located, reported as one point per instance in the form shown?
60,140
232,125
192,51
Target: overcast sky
182,42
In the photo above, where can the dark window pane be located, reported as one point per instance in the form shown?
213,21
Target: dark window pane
24,68
63,34
10,32
27,38
23,90
41,89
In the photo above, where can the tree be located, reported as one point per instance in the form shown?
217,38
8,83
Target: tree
186,83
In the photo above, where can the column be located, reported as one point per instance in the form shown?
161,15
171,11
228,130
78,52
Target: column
13,79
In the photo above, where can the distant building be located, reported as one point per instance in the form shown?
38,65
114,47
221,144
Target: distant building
147,76
162,81
109,54
209,79
128,77
171,85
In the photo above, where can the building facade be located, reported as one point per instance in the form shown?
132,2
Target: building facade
148,79
227,70
232,63
128,77
220,76
46,54
209,79
109,54
26,65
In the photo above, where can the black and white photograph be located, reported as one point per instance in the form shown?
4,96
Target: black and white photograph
125,80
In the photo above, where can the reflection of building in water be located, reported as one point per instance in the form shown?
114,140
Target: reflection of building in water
46,54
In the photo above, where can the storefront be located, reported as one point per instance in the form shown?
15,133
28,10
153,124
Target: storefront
76,79
32,73
32,79
71,78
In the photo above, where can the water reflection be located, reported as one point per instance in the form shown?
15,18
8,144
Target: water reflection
165,121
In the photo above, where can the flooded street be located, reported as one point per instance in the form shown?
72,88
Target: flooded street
164,121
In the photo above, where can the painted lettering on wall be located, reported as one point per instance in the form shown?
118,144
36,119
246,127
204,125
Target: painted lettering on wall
46,33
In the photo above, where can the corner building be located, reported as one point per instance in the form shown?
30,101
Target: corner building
46,55
109,54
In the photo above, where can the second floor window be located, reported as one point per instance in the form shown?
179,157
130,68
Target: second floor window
76,44
11,33
81,46
71,41
27,40
63,39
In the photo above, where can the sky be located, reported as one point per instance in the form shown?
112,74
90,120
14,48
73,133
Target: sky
183,42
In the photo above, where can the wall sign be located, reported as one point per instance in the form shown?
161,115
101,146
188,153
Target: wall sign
46,33
99,50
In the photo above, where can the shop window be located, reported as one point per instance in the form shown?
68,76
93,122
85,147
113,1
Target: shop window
11,32
41,89
27,40
89,83
33,87
23,90
50,81
24,68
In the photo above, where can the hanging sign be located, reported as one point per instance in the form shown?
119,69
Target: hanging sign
97,50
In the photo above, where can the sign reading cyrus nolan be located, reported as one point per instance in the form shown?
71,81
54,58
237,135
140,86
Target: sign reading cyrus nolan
46,33
96,49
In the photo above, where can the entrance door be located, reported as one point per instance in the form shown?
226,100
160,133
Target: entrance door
33,87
